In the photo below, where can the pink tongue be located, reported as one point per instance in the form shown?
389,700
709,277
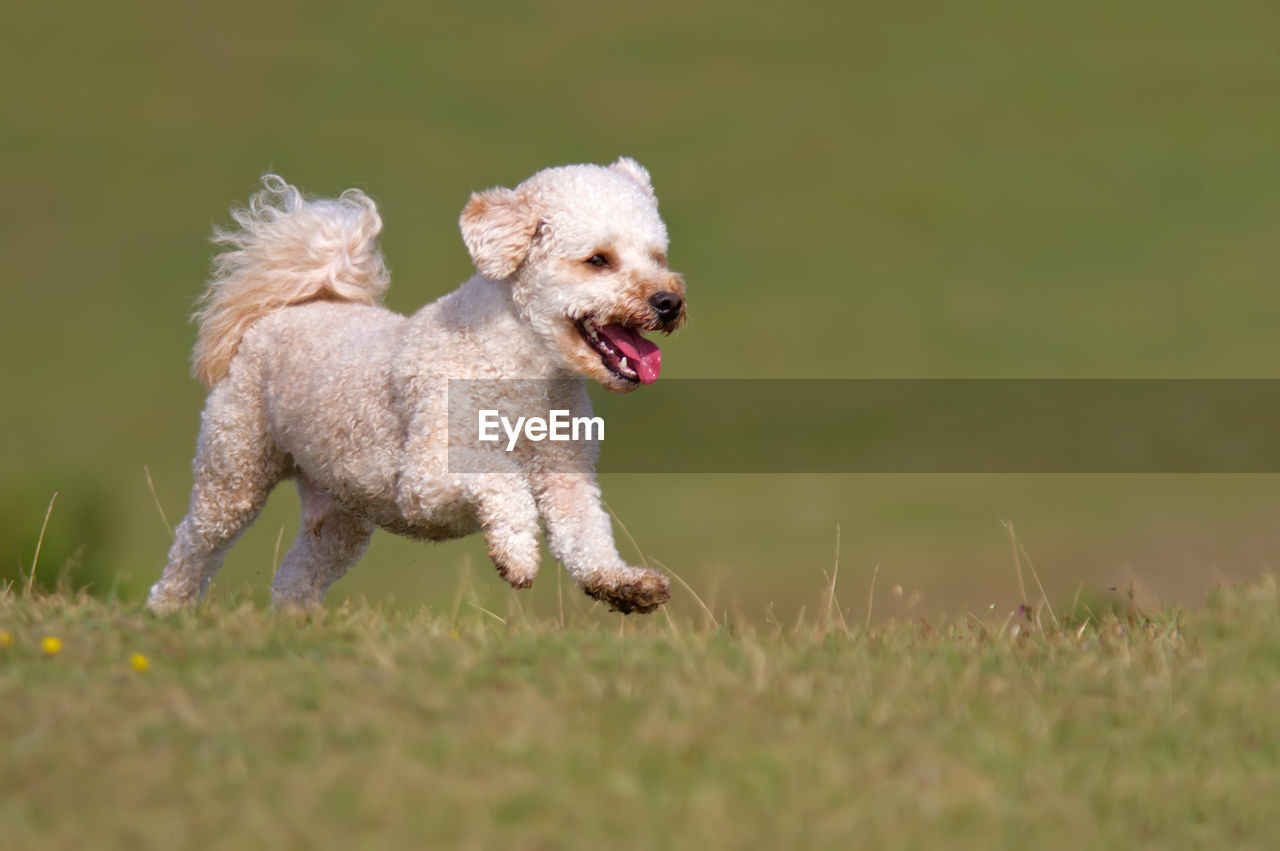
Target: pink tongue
643,355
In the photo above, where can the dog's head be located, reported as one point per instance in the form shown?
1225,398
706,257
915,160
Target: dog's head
586,254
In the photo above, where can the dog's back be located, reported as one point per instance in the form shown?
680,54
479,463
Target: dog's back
327,374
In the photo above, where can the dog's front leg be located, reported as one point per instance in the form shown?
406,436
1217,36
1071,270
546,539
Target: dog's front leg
444,505
580,535
509,517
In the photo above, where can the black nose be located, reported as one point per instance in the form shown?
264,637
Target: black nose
666,304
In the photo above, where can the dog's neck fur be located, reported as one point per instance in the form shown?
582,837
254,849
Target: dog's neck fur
506,340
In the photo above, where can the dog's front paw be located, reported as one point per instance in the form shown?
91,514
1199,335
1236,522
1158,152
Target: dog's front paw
516,578
515,556
515,575
629,590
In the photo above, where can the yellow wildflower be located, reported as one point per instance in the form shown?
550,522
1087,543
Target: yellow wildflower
139,662
50,645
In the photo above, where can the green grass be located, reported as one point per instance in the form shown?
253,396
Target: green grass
360,728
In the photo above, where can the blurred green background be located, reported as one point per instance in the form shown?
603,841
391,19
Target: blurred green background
920,189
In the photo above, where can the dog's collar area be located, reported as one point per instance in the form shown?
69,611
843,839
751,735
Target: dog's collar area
623,350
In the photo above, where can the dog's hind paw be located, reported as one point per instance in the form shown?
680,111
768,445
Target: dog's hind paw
634,590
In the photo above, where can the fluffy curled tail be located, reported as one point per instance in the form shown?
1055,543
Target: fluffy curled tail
286,250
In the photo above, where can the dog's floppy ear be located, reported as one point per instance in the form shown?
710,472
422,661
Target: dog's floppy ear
637,172
498,226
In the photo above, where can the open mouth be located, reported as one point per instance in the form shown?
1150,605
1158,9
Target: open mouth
623,350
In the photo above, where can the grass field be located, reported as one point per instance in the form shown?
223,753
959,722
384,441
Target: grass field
926,189
471,728
913,190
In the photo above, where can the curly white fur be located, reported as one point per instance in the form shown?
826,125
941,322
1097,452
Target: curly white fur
312,379
287,252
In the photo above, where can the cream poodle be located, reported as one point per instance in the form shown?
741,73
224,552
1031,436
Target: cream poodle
310,378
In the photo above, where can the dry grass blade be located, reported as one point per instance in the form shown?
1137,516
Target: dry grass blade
1004,627
560,596
1019,549
496,617
831,580
31,577
1036,576
871,598
627,532
705,609
671,622
168,527
464,586
644,562
275,558
1017,562
832,602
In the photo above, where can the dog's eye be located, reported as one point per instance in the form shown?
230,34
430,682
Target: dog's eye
599,261
660,259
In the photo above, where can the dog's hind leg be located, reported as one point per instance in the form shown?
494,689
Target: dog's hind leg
331,539
236,467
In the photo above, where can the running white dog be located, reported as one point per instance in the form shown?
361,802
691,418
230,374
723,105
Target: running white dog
312,379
